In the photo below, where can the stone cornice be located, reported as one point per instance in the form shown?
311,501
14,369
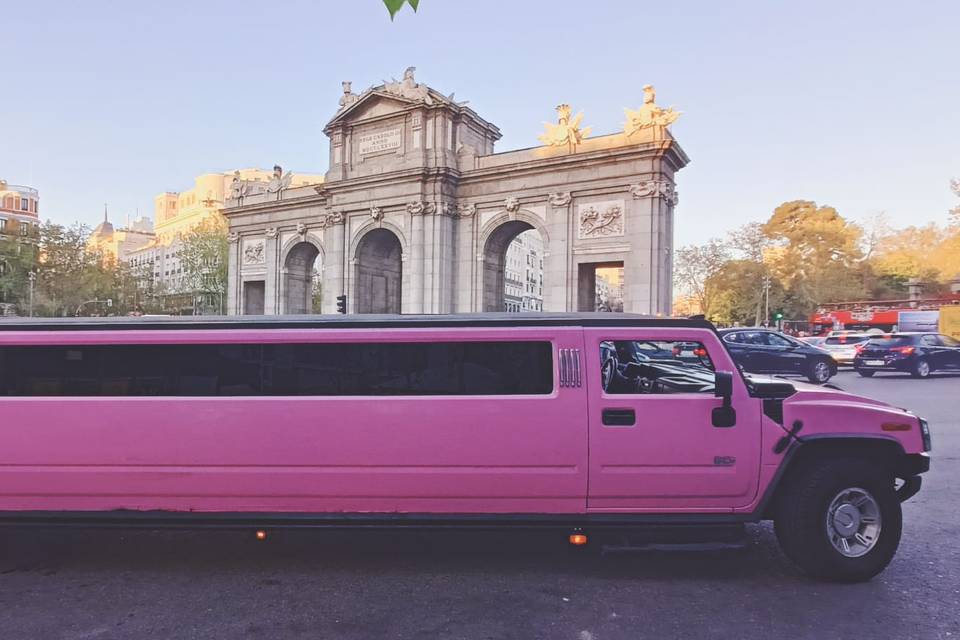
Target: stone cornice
668,150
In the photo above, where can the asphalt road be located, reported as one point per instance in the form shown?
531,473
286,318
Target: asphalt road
177,584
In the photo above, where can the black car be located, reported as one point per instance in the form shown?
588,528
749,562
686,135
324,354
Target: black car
769,351
918,354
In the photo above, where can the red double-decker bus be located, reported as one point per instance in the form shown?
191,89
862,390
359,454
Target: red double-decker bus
864,315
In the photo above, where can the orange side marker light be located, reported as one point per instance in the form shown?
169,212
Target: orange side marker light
895,426
578,539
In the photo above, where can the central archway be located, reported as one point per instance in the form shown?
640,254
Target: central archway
301,271
379,272
513,268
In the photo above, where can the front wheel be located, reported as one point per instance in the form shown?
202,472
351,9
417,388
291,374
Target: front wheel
839,519
819,372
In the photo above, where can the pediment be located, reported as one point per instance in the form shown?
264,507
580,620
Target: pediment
372,105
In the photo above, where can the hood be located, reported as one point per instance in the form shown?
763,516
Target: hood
825,410
797,391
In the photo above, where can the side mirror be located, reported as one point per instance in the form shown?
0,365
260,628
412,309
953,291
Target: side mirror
725,415
723,387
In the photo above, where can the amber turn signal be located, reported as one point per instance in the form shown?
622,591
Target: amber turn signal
578,539
895,426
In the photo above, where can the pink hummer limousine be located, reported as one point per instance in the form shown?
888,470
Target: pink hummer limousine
571,422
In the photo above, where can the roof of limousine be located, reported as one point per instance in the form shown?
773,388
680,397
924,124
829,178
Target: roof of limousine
350,321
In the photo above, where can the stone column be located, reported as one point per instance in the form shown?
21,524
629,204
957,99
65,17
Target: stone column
638,266
464,236
233,276
334,261
271,253
559,275
413,266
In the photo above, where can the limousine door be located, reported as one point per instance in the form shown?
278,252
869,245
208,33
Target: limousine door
653,444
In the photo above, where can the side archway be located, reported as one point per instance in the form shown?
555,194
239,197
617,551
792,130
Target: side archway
302,269
512,265
379,272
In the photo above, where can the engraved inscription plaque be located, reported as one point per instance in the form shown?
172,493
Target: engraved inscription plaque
379,141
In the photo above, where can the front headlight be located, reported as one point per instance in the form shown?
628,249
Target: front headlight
925,434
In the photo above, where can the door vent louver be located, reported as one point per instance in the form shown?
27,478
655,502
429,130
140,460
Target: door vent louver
570,368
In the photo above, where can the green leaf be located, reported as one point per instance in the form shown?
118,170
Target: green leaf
413,3
393,6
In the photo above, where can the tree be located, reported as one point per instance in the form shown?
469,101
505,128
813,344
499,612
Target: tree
736,297
694,267
18,257
955,212
393,6
203,254
820,254
72,279
754,247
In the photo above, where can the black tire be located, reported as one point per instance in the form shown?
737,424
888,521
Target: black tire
921,368
866,374
818,371
801,517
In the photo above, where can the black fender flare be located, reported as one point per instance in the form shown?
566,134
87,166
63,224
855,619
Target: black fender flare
904,465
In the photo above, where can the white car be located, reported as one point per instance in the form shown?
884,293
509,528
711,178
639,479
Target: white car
843,348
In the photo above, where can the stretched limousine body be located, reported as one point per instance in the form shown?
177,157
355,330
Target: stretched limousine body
568,420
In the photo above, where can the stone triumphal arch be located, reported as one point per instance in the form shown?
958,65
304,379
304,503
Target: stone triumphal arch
418,214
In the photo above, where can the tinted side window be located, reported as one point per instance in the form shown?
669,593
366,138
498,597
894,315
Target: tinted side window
446,368
777,341
131,370
460,368
680,366
947,341
929,341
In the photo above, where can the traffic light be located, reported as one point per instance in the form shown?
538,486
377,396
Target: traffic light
341,304
778,315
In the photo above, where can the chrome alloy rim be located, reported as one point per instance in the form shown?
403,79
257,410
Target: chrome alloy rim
853,522
821,371
923,368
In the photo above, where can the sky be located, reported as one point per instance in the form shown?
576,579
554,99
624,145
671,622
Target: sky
850,104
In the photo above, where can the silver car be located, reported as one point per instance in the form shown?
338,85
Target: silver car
843,348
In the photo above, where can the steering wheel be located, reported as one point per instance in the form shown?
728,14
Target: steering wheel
607,372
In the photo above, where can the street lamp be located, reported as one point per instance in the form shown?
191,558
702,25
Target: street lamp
32,277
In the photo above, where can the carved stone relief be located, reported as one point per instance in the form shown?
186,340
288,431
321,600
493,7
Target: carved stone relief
466,209
253,252
654,189
418,208
559,198
330,218
600,220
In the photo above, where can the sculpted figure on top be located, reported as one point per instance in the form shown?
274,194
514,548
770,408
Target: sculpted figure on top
649,116
349,97
567,131
409,88
279,181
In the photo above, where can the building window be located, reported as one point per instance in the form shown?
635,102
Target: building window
3,225
24,204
